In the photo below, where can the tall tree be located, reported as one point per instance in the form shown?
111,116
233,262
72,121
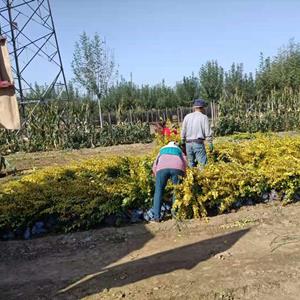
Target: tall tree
94,67
187,90
234,80
122,96
211,81
281,72
165,95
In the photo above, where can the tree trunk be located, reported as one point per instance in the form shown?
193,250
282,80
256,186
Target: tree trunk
100,113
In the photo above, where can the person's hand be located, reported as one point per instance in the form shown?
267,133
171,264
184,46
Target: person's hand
182,146
211,147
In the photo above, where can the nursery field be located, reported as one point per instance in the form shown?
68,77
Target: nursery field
236,235
80,190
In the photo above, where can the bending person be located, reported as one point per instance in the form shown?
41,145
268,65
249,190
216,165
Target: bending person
169,164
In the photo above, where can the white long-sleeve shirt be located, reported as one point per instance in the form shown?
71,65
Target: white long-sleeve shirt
196,126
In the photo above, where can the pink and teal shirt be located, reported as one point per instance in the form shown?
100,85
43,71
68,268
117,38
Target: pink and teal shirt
170,157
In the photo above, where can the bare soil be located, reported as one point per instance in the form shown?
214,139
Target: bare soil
26,163
251,254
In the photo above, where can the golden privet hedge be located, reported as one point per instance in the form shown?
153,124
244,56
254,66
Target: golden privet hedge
244,169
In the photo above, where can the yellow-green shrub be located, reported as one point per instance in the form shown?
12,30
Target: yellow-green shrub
79,196
242,170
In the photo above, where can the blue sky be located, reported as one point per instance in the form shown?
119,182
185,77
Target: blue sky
167,39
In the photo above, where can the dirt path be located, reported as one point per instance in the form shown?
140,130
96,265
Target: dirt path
251,254
42,159
28,162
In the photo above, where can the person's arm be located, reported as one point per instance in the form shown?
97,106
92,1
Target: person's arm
184,162
208,134
183,131
155,165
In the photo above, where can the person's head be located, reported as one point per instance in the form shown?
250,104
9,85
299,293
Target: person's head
199,105
173,143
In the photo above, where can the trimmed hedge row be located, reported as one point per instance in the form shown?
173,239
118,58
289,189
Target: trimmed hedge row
80,196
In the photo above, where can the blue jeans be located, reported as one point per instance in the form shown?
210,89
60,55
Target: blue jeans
162,177
196,153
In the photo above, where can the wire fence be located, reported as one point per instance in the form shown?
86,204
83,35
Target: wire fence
175,115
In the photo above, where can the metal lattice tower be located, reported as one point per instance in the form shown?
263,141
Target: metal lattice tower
33,47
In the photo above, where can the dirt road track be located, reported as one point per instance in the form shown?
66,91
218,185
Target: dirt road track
251,254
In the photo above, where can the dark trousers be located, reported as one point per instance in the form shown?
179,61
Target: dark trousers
162,178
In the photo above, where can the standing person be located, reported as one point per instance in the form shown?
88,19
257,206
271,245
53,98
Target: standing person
171,164
195,130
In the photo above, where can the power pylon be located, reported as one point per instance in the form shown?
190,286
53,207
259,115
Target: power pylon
33,47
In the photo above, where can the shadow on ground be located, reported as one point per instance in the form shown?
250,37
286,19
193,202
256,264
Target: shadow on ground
53,262
185,257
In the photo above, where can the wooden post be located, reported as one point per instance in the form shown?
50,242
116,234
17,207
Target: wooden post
109,118
212,113
100,114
